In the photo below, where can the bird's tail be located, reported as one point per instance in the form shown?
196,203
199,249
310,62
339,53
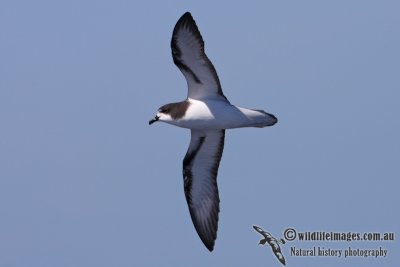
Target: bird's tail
263,119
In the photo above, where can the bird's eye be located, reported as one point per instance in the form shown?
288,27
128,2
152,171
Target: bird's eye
163,110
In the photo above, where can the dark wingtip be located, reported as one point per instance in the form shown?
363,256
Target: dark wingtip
208,242
257,228
275,118
187,21
187,14
184,18
209,245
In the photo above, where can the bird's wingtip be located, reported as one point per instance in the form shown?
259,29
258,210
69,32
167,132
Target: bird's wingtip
209,245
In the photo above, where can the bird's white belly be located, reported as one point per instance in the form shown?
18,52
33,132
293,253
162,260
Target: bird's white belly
214,114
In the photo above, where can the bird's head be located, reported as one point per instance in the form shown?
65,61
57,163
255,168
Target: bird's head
171,113
163,114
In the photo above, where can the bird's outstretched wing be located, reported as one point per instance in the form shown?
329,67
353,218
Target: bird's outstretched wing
277,251
200,169
188,53
262,232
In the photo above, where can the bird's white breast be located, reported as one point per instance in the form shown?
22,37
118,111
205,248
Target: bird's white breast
215,114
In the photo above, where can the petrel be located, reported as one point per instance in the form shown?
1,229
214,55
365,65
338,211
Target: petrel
207,113
273,242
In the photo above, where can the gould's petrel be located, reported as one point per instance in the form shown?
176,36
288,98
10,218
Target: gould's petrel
207,113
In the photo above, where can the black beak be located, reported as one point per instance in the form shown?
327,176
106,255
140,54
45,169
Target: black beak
153,120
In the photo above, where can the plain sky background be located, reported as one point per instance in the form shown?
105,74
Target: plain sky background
84,181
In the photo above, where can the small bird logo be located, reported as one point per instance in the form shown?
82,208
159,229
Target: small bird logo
273,242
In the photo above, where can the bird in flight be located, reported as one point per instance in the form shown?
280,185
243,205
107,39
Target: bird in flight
273,242
207,113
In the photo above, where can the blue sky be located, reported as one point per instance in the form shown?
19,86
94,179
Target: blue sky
84,181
